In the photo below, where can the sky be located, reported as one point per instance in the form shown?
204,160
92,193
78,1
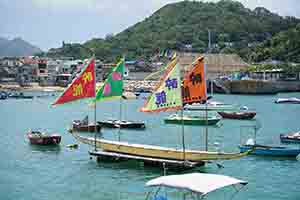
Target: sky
46,23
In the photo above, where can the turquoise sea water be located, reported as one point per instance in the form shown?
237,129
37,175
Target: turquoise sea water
36,173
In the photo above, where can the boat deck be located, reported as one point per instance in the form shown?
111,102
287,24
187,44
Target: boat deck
157,162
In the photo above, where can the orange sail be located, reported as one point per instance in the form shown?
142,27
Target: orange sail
194,83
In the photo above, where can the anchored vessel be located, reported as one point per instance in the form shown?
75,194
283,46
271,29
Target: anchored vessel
85,126
167,96
115,123
290,138
41,138
292,100
192,120
211,105
237,115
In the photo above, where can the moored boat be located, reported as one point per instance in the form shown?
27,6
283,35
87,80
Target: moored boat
290,138
266,150
3,95
157,151
211,105
292,100
20,95
79,127
41,138
114,123
84,126
237,115
167,96
192,120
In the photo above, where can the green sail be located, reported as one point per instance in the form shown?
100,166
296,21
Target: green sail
113,85
167,95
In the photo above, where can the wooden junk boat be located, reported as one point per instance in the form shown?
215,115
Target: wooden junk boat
165,97
157,151
237,115
41,138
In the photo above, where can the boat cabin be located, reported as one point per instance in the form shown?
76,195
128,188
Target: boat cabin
191,186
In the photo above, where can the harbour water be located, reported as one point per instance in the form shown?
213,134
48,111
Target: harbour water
42,173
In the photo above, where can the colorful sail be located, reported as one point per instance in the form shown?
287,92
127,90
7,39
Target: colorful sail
83,86
194,83
167,95
113,85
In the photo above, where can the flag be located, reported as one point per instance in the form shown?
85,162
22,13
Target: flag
194,83
167,95
113,85
82,86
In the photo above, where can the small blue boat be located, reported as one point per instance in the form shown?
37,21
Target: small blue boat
263,150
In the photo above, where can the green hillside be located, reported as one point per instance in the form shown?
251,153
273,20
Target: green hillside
284,46
184,26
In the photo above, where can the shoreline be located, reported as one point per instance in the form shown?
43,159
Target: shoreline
32,88
129,86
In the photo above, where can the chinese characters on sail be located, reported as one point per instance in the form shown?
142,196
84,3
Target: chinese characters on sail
161,98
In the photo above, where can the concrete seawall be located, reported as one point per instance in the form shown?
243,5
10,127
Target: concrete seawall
251,87
261,87
288,86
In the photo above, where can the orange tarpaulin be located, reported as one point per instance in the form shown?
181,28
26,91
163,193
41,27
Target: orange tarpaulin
194,83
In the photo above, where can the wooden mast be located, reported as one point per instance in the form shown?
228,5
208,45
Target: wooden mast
95,108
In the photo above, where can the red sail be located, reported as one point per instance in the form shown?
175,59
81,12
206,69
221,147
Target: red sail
194,83
81,87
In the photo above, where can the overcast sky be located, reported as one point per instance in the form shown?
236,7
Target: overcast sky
46,23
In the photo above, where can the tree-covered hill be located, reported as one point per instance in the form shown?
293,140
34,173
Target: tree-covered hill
284,46
184,26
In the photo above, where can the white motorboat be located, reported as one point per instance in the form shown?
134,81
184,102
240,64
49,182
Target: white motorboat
211,105
292,100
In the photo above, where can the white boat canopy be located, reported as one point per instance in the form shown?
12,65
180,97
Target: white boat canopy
196,182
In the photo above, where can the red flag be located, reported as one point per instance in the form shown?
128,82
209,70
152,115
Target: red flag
81,87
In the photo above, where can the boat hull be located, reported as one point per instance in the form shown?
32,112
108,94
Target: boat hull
191,120
237,115
270,151
3,95
85,128
44,140
156,151
288,100
122,124
212,108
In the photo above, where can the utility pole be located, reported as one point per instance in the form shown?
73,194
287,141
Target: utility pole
209,41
